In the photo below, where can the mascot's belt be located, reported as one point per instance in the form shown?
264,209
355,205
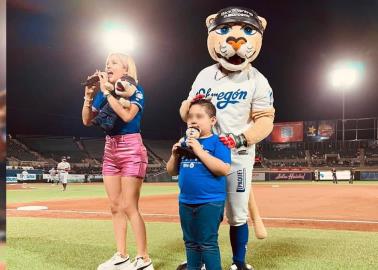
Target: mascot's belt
237,15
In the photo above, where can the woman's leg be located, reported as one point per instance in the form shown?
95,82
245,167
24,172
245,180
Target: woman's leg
131,187
114,190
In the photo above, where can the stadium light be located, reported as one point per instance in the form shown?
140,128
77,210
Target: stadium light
344,76
118,38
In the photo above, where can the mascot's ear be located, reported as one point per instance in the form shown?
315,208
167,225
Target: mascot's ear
263,22
210,19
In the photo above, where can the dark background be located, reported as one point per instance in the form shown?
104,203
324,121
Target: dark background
53,45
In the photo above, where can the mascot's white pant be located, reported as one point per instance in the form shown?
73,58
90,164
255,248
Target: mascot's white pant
238,189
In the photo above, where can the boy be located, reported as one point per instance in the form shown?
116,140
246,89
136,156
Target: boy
202,185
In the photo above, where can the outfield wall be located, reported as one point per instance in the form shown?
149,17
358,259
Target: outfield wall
37,176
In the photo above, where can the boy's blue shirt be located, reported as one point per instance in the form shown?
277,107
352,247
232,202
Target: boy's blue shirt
197,183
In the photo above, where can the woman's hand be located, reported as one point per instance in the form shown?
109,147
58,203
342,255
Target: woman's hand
104,84
91,90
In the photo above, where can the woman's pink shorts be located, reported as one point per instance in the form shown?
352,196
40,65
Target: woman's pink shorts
125,155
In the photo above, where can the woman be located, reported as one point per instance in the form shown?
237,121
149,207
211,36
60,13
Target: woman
125,160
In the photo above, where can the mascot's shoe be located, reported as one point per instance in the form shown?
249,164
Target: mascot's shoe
245,267
117,262
140,264
183,266
259,228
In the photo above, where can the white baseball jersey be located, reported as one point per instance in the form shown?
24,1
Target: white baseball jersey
63,169
63,166
234,96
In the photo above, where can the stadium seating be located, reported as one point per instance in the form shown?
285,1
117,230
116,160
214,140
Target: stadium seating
18,151
55,147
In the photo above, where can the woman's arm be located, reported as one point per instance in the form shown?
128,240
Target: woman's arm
87,114
126,114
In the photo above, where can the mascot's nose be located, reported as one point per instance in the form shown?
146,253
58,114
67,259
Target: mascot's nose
236,43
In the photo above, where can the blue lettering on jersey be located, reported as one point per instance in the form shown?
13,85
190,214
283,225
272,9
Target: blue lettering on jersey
224,98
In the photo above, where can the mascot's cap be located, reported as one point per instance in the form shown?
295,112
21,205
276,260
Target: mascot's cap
129,79
120,83
237,15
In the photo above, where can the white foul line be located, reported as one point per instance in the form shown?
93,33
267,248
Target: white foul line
170,215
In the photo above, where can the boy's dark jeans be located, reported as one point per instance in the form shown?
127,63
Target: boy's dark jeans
200,224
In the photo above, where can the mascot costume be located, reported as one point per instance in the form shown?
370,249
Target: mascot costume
245,113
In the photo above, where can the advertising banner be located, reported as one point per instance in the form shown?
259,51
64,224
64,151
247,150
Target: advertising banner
27,177
320,130
369,175
258,176
340,175
76,178
290,176
287,132
11,179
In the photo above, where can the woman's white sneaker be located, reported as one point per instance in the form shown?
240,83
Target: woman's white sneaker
117,262
140,264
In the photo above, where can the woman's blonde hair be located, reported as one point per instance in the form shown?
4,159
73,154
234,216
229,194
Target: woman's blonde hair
128,62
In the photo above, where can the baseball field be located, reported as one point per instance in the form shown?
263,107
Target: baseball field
311,226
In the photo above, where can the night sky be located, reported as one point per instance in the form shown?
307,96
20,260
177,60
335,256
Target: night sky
53,45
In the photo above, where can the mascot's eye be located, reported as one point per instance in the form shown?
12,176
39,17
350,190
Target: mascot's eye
249,30
223,30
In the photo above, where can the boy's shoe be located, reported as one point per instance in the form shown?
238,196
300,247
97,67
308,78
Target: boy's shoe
245,267
140,264
117,262
184,266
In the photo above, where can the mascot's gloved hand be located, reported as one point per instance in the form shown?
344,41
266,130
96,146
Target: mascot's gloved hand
233,141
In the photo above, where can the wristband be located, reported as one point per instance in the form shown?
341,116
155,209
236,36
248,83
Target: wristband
243,140
106,94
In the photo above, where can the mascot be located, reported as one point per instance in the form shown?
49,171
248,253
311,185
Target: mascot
245,113
125,87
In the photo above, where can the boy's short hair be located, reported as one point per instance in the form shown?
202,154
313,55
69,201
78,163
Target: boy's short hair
209,107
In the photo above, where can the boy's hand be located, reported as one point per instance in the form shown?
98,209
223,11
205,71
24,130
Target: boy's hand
195,145
175,153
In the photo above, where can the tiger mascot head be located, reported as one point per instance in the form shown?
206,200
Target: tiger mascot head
235,37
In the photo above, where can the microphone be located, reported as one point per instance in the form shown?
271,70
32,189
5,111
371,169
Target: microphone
91,81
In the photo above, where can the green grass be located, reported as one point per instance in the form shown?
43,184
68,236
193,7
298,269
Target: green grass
34,243
48,192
